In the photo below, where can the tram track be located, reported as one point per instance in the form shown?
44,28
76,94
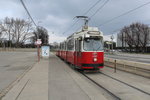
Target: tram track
111,92
96,83
119,91
125,83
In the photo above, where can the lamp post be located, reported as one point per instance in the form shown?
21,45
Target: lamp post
112,37
108,43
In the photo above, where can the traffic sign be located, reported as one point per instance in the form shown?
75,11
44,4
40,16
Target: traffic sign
38,42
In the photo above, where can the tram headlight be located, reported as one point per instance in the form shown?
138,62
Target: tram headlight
95,59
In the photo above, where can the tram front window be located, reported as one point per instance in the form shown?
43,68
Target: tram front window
92,44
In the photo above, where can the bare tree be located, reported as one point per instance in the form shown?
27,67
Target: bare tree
16,30
21,31
136,35
1,29
145,37
6,28
42,33
8,25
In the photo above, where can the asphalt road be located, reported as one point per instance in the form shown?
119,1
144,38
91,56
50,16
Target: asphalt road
131,57
13,64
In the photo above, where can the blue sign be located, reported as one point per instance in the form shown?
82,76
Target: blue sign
45,51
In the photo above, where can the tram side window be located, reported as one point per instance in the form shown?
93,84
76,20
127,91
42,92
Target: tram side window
60,46
70,44
63,46
78,45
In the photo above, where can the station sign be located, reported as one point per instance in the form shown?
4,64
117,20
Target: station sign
45,51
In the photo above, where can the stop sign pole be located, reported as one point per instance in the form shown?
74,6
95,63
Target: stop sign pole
38,51
38,43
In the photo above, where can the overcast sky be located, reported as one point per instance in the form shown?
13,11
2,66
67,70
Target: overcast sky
57,15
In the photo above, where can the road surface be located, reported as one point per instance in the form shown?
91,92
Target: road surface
13,64
131,57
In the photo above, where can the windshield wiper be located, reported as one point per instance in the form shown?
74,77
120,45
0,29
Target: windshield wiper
98,48
93,45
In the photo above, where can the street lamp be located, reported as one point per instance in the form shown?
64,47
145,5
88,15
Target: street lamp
112,37
108,43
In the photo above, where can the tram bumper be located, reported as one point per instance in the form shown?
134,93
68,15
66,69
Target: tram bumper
92,66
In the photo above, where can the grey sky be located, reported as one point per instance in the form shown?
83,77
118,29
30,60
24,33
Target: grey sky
57,15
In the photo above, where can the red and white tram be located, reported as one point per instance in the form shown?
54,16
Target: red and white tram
84,49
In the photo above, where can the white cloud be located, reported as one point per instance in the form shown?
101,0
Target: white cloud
108,37
56,20
56,38
11,8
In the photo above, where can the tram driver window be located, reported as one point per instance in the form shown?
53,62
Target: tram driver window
92,44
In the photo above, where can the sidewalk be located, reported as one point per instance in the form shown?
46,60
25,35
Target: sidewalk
33,86
62,83
67,84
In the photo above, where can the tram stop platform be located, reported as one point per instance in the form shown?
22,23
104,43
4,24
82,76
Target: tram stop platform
53,79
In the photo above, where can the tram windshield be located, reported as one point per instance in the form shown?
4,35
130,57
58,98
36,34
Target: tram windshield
92,44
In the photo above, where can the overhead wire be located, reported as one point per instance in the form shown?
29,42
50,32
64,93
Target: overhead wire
119,29
99,9
70,27
83,14
124,13
28,12
92,7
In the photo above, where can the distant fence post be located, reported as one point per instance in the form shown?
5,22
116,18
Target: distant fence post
135,65
115,66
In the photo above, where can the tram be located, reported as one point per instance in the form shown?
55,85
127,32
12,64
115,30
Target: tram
83,49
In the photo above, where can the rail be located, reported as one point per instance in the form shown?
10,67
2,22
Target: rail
109,92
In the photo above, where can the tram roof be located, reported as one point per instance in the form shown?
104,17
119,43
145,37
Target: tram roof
85,30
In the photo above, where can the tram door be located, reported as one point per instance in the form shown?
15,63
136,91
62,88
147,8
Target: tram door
78,52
